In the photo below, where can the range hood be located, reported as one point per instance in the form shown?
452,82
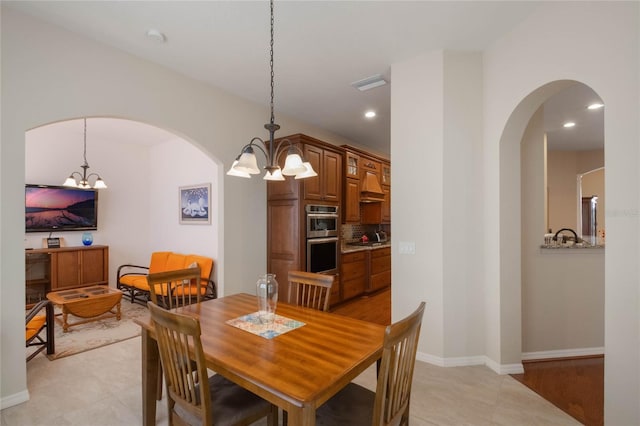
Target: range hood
371,192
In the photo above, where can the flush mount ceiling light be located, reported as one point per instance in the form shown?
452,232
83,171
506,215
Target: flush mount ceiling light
156,36
596,105
84,178
369,83
370,114
569,124
246,163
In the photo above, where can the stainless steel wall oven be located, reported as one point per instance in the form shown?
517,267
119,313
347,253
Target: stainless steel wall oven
323,223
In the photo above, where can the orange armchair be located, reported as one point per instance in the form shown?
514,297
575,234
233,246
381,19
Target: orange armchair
36,325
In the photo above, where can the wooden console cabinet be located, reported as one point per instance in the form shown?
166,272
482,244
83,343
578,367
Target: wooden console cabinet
66,267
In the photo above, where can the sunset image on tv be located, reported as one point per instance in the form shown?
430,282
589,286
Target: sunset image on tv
50,208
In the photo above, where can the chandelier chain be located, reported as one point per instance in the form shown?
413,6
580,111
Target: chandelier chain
271,64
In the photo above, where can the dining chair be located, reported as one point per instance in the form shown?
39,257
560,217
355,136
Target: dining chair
389,405
36,324
215,401
180,287
310,289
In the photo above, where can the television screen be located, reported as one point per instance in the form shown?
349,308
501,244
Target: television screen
58,208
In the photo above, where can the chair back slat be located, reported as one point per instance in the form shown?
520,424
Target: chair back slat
175,288
393,392
310,289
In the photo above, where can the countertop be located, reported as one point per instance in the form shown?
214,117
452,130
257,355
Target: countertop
346,248
571,247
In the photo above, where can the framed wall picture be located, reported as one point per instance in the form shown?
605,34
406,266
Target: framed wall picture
195,204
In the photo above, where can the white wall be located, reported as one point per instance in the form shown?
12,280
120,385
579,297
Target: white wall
43,83
172,165
417,181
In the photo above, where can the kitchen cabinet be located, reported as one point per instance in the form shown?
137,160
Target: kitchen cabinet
352,165
327,186
286,201
380,269
353,274
386,205
285,241
352,200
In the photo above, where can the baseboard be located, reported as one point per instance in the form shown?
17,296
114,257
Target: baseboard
471,360
562,353
15,399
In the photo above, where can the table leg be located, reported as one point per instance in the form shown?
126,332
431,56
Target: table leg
305,416
65,324
150,361
118,313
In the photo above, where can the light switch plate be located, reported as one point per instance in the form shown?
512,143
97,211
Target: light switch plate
407,247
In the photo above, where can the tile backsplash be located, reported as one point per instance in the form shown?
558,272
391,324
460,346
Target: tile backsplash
352,232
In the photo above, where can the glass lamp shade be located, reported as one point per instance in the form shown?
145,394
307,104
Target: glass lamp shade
248,162
276,175
100,184
84,184
71,181
235,172
293,165
309,172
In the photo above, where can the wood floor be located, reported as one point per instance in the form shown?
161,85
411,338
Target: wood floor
373,308
575,385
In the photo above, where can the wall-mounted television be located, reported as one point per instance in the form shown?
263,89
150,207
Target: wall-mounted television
58,208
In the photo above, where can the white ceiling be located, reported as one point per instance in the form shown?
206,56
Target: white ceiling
321,47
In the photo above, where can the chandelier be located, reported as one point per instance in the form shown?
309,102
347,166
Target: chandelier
246,163
84,178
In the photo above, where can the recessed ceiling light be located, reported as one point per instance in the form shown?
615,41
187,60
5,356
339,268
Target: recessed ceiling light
156,36
569,124
370,114
595,105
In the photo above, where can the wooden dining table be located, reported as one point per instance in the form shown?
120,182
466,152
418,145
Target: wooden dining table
297,371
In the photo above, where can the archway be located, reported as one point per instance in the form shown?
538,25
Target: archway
144,166
511,220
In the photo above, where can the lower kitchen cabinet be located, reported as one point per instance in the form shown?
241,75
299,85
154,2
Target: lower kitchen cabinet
353,275
380,269
364,272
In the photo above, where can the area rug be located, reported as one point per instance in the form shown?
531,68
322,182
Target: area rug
92,335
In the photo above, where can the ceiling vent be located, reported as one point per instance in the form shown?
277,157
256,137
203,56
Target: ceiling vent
369,82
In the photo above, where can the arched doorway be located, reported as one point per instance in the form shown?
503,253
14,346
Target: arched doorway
143,166
556,295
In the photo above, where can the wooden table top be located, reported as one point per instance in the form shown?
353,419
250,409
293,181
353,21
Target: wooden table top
64,297
301,368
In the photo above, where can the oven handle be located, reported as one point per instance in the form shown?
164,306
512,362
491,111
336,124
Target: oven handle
322,240
322,215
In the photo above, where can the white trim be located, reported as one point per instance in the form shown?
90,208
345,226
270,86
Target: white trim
15,399
470,360
563,353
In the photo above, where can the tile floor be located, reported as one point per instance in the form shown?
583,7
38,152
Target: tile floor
102,387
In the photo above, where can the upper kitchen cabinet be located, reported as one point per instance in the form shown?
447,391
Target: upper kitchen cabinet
367,188
326,160
385,180
327,186
352,165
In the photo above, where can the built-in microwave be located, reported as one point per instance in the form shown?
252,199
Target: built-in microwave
322,221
